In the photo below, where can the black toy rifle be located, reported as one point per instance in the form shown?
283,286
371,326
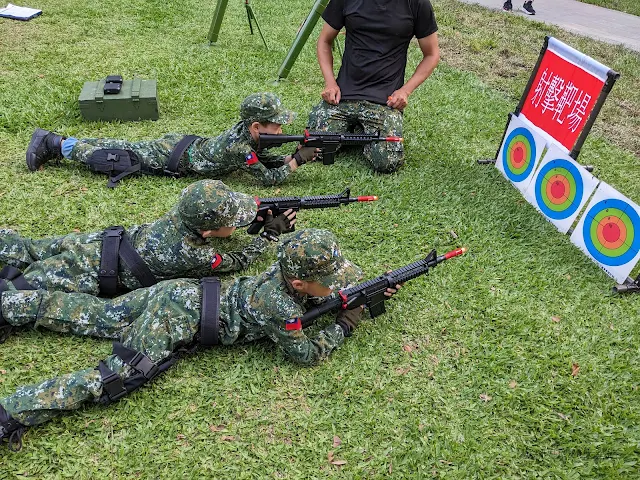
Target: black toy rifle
278,205
371,292
328,143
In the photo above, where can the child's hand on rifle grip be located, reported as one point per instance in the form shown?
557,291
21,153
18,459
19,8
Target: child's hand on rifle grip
274,227
304,155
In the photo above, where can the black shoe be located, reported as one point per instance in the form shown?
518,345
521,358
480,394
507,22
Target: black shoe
506,6
44,146
12,430
528,8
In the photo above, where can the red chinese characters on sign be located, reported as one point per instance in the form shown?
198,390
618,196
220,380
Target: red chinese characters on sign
561,98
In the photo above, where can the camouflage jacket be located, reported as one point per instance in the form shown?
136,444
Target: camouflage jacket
256,307
167,246
234,150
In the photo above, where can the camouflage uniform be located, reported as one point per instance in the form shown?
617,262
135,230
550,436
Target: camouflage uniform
171,246
158,320
232,150
385,157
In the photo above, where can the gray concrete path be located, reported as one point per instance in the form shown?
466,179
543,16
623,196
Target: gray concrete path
582,18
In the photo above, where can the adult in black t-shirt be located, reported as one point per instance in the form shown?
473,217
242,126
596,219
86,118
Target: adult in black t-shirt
370,90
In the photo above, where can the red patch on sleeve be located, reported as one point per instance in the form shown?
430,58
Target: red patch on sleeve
216,261
293,324
252,158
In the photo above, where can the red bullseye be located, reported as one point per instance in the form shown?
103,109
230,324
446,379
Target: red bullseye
518,154
557,189
611,232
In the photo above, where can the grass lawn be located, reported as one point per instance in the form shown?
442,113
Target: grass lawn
629,6
469,374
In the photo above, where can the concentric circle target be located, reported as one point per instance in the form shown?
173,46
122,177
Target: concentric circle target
609,232
559,189
519,154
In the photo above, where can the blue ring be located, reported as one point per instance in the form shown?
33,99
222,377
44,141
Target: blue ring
559,163
505,161
631,252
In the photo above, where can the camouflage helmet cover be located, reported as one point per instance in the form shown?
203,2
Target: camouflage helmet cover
313,255
210,204
265,107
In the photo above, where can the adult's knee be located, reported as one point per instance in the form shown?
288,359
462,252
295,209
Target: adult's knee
385,160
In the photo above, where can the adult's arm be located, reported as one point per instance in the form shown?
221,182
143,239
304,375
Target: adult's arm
331,92
430,58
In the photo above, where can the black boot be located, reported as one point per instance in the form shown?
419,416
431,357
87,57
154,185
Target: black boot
12,430
44,146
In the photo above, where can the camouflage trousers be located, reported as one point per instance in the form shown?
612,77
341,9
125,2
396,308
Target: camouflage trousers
153,154
154,321
69,263
384,157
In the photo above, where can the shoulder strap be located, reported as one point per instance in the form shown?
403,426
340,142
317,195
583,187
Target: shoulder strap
15,276
176,154
108,273
210,313
136,264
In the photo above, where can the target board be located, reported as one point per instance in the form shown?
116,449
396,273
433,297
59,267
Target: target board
609,232
560,188
520,152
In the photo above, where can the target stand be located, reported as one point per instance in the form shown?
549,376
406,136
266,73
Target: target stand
630,286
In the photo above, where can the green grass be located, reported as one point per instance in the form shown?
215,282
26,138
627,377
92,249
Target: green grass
466,376
628,6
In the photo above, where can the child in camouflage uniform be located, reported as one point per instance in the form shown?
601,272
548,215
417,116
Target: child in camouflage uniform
188,241
154,322
234,149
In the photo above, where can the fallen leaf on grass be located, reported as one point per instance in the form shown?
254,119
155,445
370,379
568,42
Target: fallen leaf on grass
336,441
76,230
390,468
84,189
180,436
555,319
334,461
407,348
3,372
513,384
575,369
563,416
227,438
484,397
402,371
217,428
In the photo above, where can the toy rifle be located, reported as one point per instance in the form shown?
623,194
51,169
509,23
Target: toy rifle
372,292
328,143
278,205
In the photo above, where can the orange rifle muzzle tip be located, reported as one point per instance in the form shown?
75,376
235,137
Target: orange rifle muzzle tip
464,249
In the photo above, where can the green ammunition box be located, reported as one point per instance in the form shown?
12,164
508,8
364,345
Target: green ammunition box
136,100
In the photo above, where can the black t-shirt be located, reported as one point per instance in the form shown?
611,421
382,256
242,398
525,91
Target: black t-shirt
378,36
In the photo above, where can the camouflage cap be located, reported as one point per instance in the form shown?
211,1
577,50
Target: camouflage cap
210,204
265,107
314,255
